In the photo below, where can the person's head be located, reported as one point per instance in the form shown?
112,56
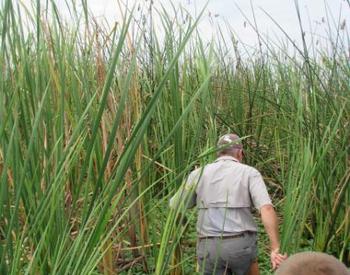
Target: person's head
230,145
312,263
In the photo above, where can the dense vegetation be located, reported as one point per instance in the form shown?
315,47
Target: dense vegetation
98,129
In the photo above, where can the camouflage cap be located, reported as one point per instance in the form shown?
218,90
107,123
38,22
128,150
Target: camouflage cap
228,139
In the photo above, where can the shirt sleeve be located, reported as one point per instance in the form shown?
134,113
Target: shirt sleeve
186,196
257,190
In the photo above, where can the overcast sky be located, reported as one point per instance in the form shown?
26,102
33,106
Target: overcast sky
319,17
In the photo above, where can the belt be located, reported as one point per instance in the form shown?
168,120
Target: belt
224,237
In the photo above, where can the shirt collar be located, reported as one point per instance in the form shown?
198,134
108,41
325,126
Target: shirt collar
226,158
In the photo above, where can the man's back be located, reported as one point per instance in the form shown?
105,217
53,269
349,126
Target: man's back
225,192
224,183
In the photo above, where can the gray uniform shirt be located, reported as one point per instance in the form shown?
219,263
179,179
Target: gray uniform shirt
224,192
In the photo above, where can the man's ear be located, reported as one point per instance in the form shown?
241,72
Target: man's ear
240,154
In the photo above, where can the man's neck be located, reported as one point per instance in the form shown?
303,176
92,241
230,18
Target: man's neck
230,156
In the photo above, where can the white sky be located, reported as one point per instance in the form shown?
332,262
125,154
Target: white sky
319,17
315,14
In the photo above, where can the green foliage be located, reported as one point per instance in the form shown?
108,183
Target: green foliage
98,130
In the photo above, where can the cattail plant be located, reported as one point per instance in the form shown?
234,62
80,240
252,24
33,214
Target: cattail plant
100,126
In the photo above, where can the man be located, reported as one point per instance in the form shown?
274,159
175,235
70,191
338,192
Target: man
224,192
312,263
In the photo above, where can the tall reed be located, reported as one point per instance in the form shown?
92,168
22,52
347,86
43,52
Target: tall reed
98,128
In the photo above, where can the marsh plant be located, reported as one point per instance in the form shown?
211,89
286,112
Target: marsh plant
99,126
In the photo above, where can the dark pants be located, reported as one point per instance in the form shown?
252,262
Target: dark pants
228,255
